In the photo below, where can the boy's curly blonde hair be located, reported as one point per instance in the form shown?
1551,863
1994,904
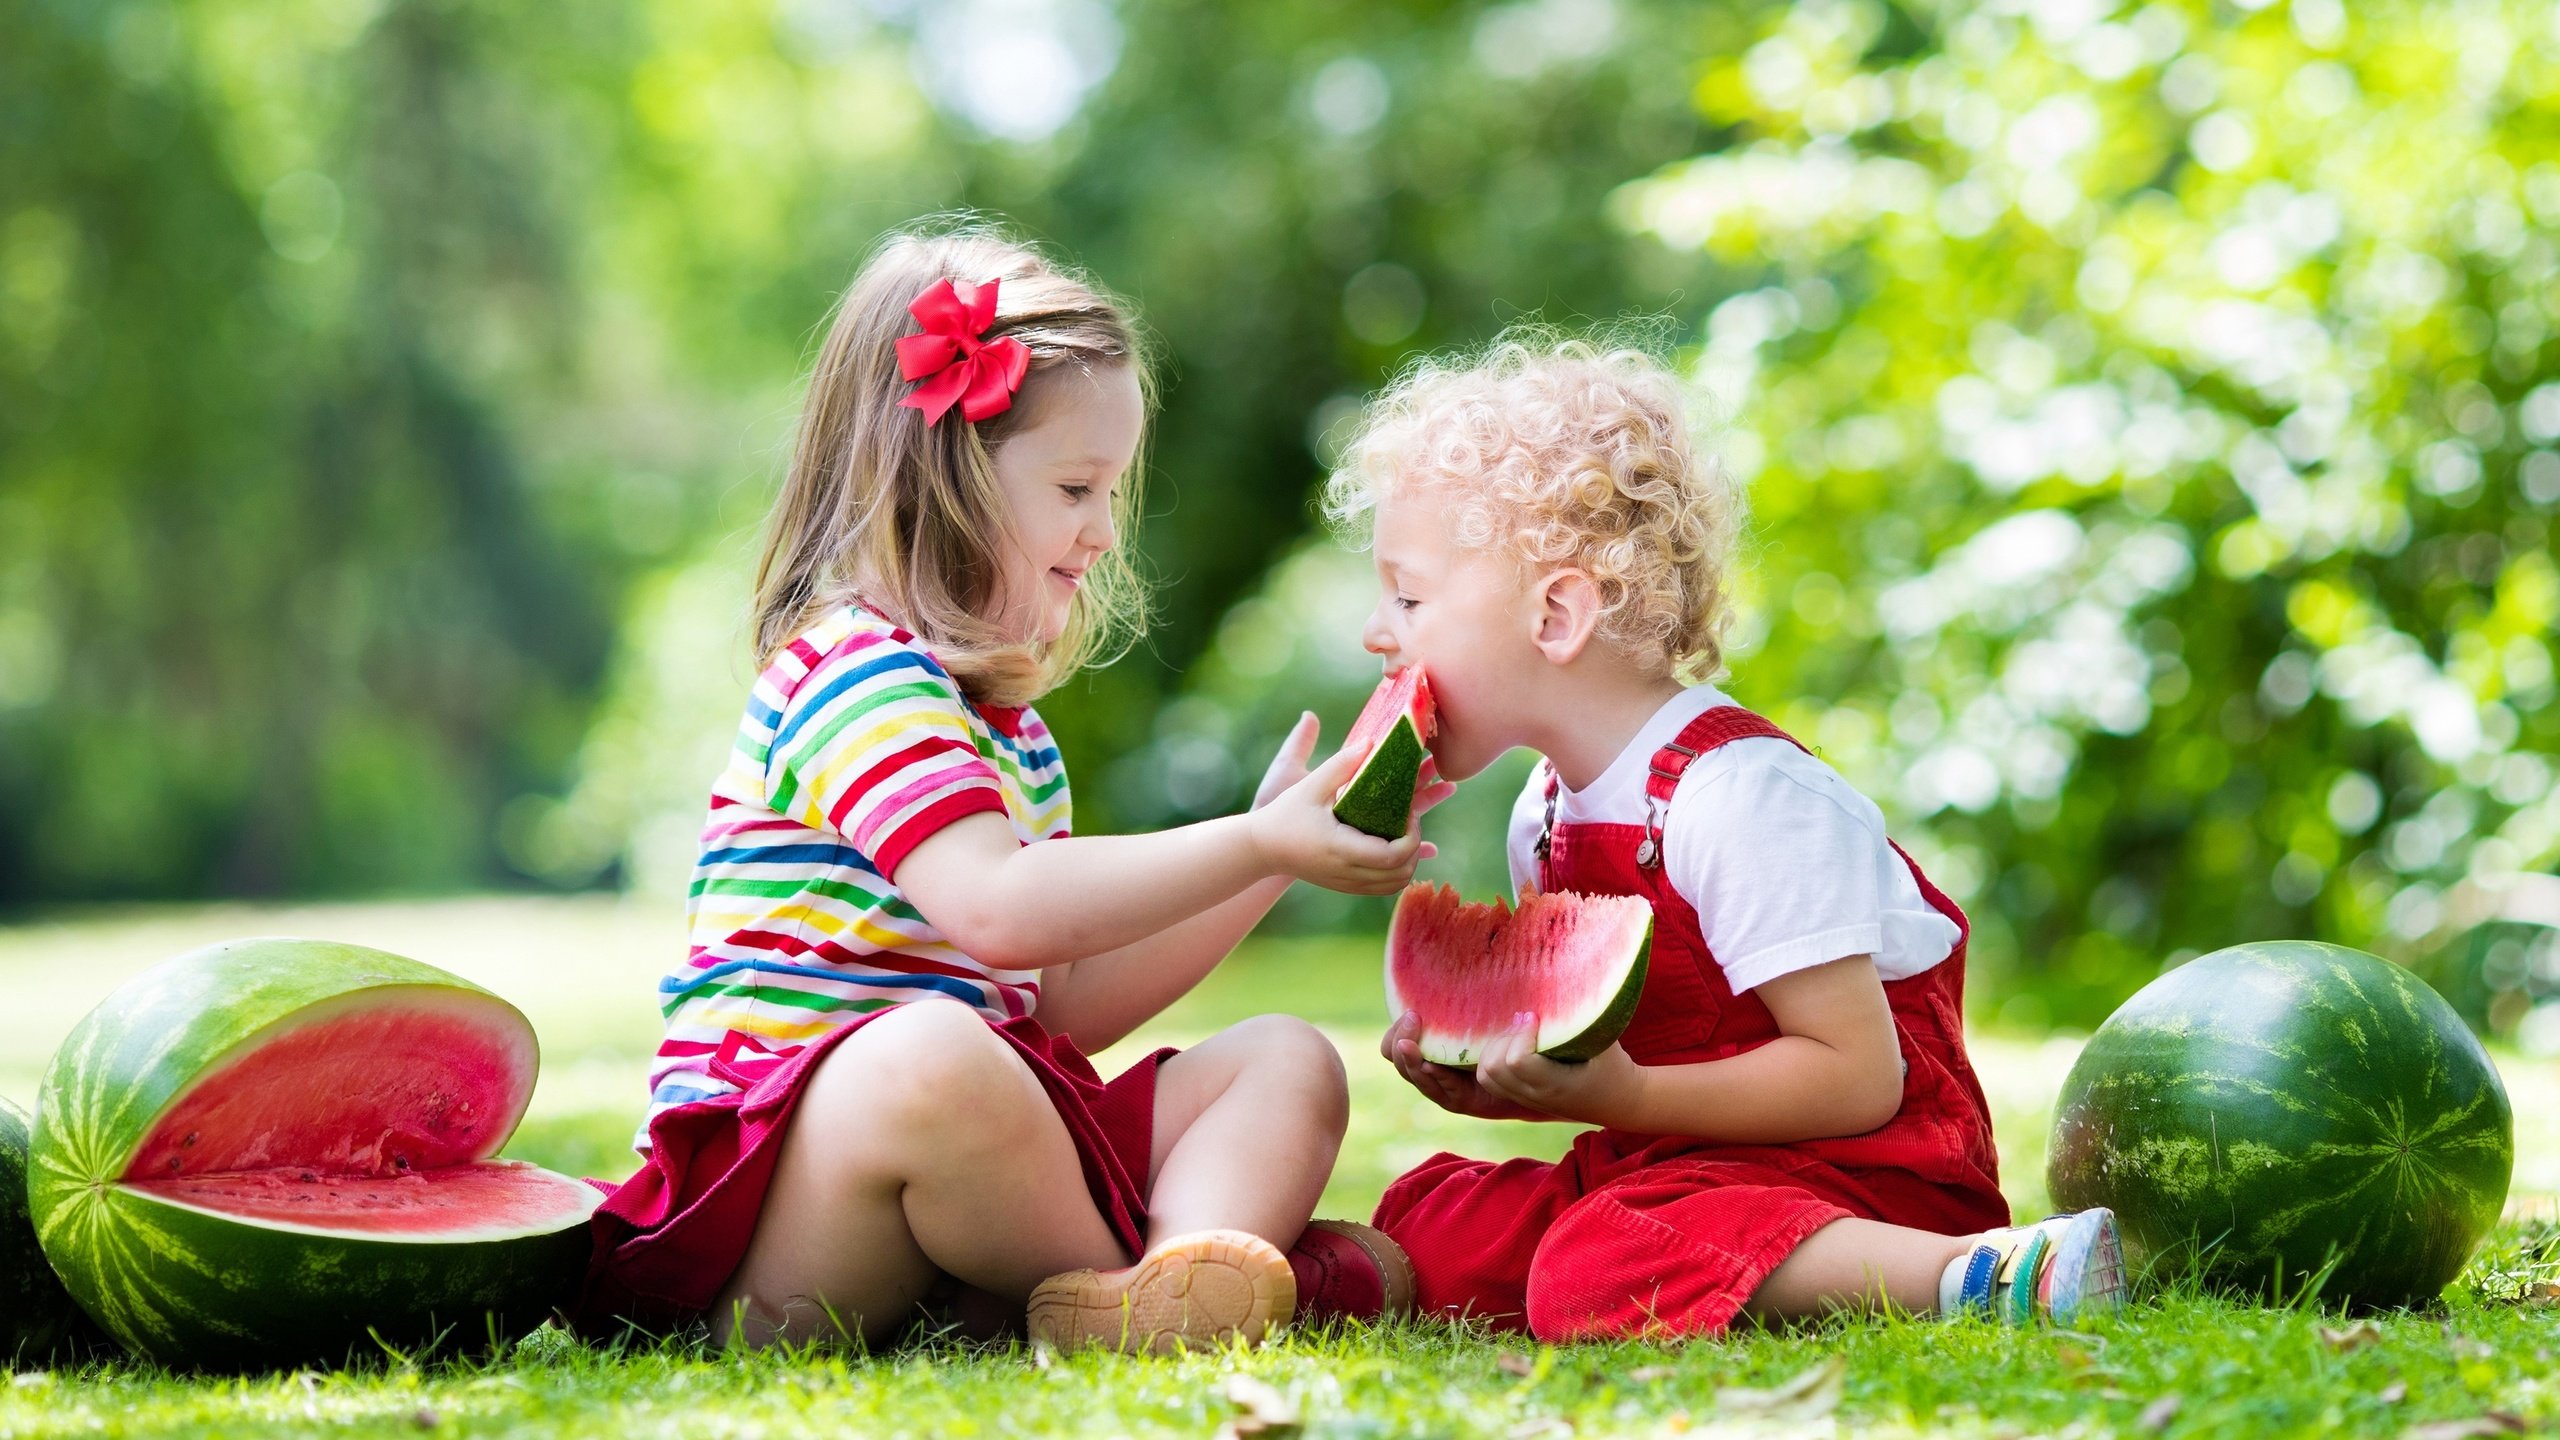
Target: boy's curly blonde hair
1564,452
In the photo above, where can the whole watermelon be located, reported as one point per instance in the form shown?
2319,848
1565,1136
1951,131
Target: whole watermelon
2257,1113
274,1151
39,1324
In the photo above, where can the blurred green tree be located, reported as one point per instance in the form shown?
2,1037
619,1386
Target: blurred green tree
367,368
2149,416
278,609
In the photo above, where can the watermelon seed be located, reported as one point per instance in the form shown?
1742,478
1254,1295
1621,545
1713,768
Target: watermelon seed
308,1178
190,1140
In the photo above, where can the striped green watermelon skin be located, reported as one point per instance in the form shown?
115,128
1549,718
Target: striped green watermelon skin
1379,799
2262,1109
1395,727
39,1324
190,1289
225,1296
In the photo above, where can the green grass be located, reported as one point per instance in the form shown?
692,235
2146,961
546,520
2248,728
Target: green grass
582,970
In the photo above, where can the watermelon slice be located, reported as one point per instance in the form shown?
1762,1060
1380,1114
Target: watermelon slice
274,1151
1577,962
1393,731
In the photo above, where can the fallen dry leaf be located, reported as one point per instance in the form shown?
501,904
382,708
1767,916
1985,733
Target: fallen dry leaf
1647,1374
2496,1422
2354,1337
1816,1392
1261,1410
2394,1393
425,1417
2155,1417
2466,1348
1539,1429
1512,1362
2540,1292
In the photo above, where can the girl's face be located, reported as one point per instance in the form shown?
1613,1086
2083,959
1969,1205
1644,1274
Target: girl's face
1058,472
1467,619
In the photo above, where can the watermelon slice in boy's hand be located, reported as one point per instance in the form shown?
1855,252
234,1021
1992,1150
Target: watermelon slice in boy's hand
1577,962
1393,731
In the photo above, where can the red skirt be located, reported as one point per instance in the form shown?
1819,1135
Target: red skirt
668,1239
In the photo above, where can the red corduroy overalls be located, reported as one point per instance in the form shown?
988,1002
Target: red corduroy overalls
1633,1235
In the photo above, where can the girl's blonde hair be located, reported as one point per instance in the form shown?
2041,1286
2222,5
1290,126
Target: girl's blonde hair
882,507
1559,452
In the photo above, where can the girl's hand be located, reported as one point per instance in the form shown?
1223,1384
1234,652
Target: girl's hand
1592,1091
1453,1090
1296,833
1289,766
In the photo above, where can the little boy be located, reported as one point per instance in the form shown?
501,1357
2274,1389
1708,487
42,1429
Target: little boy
1790,1123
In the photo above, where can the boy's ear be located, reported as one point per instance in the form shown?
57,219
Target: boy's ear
1567,611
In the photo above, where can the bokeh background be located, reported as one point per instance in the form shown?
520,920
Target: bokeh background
2148,415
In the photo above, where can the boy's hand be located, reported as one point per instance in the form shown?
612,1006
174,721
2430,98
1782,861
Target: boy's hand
1591,1091
1296,832
1452,1090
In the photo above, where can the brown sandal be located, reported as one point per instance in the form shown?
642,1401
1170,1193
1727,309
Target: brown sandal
1191,1292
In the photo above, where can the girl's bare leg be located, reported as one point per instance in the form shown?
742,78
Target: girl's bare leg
924,1146
1247,1126
1851,1264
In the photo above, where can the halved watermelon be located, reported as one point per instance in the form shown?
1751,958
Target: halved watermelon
39,1323
1393,731
274,1151
1577,962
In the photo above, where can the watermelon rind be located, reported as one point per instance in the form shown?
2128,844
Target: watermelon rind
40,1324
201,1290
195,1288
1575,1039
2287,1115
1574,1035
1379,799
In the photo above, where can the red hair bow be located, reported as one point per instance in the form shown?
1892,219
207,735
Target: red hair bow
952,364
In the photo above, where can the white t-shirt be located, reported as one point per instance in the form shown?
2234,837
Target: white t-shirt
1784,861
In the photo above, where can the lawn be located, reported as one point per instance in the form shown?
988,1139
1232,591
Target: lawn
582,969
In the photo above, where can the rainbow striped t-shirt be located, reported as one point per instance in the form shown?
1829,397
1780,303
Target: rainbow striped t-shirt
856,745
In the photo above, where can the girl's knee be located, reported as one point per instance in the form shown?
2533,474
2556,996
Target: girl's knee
1286,1048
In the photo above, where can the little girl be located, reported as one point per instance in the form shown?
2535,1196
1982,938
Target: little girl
873,1092
1790,1123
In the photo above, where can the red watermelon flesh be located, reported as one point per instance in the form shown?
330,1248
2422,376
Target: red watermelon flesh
456,1202
1577,962
422,1094
1391,736
1404,695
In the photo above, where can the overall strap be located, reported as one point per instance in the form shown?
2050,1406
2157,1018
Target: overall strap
1706,734
1710,731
